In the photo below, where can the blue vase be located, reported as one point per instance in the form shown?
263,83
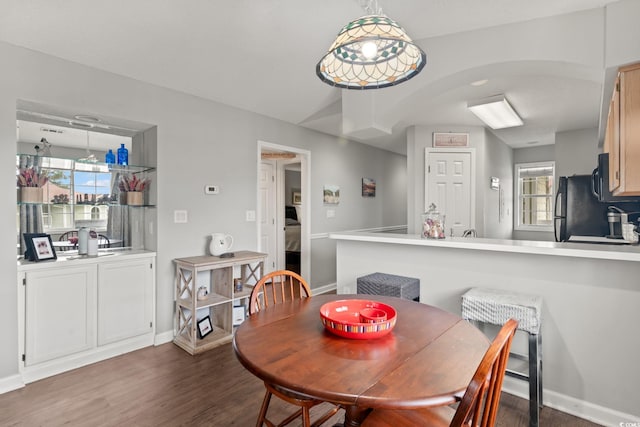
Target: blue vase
110,158
123,155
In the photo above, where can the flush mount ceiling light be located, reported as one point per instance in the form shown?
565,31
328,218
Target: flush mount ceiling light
371,52
496,112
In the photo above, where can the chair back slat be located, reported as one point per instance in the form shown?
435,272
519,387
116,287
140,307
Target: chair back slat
276,288
480,401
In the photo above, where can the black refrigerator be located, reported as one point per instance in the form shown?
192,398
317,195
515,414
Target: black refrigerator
579,213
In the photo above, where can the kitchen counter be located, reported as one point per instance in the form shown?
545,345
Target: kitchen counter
619,252
591,296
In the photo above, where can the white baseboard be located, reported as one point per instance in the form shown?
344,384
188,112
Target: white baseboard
324,289
77,360
163,338
11,383
570,405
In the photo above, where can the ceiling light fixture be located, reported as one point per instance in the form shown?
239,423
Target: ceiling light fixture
496,112
371,52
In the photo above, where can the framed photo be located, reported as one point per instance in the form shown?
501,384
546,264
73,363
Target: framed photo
204,327
450,139
331,195
239,314
368,187
296,197
39,247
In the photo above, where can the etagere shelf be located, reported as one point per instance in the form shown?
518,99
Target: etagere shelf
246,266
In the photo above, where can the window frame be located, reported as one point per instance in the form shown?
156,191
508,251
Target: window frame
517,199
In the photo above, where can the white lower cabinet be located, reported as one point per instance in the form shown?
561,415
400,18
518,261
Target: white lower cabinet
125,300
60,312
81,311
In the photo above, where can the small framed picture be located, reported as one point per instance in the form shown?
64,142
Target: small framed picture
450,139
204,327
39,247
368,187
296,197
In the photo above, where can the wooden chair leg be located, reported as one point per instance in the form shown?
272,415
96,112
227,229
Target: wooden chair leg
306,419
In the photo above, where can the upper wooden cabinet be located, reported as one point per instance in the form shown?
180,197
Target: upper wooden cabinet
622,138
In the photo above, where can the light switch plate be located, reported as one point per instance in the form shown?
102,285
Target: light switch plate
180,217
251,216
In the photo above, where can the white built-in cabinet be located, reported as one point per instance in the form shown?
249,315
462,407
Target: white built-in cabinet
78,311
125,300
60,312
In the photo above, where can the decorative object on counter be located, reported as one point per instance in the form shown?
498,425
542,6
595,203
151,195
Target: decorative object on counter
131,189
204,327
92,243
83,240
202,293
432,223
629,233
110,158
371,52
39,247
220,243
123,155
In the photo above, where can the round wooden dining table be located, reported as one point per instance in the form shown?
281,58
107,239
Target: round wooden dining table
428,359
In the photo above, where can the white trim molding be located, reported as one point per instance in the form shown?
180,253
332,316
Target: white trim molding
14,382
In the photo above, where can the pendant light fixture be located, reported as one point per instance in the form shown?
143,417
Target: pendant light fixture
371,52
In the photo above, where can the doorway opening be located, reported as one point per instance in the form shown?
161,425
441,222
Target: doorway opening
283,214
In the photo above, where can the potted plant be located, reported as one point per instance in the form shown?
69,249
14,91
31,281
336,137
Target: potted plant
132,188
30,183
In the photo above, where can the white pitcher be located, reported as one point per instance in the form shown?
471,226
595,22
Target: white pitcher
220,243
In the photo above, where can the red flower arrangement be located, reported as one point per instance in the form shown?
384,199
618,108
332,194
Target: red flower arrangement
29,177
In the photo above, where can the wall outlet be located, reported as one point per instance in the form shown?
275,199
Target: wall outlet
251,216
211,189
331,213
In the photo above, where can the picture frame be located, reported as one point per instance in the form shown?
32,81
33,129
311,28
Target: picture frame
39,247
368,187
331,194
450,139
296,197
239,314
204,327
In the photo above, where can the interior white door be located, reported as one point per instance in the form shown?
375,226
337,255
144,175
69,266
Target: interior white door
268,227
448,184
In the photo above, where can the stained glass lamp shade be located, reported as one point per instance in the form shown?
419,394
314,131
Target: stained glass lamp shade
369,53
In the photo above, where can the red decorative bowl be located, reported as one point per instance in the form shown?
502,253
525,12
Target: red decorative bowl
343,318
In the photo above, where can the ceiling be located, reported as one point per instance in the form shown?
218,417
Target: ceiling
261,55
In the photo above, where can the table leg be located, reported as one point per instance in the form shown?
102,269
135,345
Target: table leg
355,415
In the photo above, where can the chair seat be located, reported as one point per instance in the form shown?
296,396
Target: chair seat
433,417
496,306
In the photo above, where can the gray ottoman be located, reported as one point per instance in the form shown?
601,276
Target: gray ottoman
390,285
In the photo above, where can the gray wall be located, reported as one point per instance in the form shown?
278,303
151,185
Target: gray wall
198,142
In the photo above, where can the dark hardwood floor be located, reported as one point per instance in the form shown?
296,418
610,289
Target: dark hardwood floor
165,386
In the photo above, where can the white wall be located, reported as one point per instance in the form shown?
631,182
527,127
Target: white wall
576,152
497,219
198,142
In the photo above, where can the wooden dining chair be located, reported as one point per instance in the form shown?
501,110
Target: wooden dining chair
276,288
479,404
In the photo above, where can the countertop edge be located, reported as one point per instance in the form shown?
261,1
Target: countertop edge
66,261
577,250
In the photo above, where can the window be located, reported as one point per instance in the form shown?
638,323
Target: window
535,196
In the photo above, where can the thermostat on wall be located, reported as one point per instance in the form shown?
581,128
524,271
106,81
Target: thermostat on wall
211,189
